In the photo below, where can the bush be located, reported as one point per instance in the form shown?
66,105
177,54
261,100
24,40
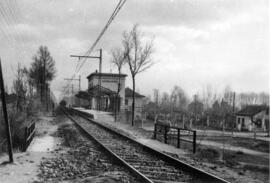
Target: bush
58,111
63,103
17,121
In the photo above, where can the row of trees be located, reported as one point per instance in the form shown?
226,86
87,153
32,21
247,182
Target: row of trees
36,78
217,106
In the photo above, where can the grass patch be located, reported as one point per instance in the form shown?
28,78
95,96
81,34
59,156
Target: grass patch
208,153
256,168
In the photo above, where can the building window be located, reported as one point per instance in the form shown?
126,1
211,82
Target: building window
126,101
243,120
238,120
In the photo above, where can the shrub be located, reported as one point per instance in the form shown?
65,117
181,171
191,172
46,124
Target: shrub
17,121
63,103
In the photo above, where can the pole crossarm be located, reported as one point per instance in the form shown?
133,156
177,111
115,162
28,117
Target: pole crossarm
100,70
82,56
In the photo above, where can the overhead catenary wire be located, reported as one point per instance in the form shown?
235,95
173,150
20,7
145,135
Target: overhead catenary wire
88,52
115,12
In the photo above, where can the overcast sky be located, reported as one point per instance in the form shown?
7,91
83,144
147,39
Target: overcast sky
197,42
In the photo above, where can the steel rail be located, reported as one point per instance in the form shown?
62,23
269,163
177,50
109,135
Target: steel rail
169,159
139,175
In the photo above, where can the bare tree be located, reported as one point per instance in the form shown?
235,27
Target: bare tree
138,57
165,103
118,59
228,95
207,96
20,87
156,101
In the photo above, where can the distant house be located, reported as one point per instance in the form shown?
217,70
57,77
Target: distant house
138,101
253,116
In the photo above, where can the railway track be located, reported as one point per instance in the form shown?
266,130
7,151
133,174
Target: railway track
147,164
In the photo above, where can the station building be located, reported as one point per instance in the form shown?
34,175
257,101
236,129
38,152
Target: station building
103,89
102,94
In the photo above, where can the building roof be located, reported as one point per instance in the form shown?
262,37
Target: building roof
129,93
100,91
105,74
251,110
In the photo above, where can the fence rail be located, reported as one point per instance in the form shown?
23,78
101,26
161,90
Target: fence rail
170,134
29,132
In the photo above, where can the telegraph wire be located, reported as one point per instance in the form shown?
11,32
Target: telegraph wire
8,21
11,8
13,18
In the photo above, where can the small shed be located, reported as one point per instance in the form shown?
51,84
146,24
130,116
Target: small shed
253,116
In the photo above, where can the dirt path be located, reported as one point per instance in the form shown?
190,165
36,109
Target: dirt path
234,148
26,164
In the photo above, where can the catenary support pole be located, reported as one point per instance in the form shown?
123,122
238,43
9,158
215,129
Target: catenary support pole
100,70
4,105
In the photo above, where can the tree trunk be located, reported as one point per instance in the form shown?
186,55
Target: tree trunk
117,101
133,101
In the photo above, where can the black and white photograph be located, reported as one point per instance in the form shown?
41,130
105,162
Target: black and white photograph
134,91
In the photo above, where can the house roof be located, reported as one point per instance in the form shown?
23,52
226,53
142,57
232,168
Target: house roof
105,74
251,110
129,93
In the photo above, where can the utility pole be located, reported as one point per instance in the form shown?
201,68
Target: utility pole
99,79
100,71
233,112
4,105
44,79
195,106
72,93
79,80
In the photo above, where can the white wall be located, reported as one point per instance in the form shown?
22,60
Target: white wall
138,105
110,82
248,123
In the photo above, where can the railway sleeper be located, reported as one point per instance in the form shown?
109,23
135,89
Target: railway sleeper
166,176
159,169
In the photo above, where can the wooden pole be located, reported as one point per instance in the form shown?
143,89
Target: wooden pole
194,141
10,153
233,112
178,138
79,82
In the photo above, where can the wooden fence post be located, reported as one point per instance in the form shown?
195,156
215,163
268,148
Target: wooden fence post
178,138
25,139
155,131
194,141
165,135
4,106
